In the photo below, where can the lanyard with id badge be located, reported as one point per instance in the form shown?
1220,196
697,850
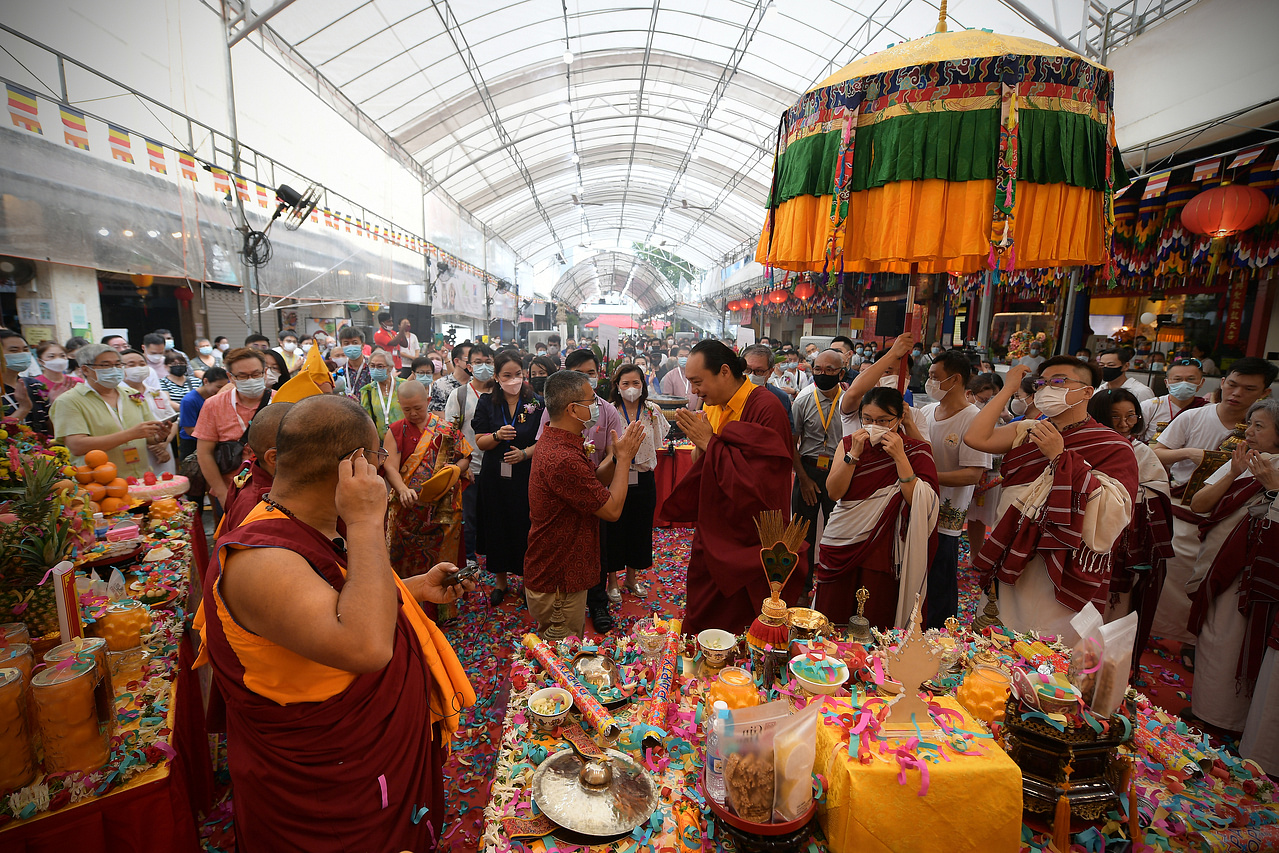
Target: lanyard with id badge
824,459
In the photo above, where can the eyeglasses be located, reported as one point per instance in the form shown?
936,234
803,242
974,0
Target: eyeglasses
246,376
828,371
883,422
379,454
1188,362
764,371
1056,382
1125,419
106,366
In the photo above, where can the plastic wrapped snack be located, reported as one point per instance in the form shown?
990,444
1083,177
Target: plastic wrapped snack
747,746
794,751
1112,678
1088,653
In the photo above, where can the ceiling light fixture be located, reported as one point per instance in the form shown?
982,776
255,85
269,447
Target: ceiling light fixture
128,233
568,57
577,158
104,232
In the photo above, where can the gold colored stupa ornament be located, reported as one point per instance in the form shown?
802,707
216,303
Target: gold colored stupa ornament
990,614
859,625
911,664
780,544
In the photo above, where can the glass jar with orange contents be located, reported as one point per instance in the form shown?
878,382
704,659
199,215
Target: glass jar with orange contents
123,624
71,728
17,757
735,688
15,632
94,648
984,693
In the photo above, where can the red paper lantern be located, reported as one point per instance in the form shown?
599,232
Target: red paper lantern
759,298
1225,210
732,306
778,296
804,289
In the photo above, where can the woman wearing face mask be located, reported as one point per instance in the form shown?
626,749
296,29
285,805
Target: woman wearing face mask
159,453
629,540
178,380
205,357
539,368
506,421
1234,610
277,371
379,397
882,534
17,400
1138,557
52,382
1022,405
422,370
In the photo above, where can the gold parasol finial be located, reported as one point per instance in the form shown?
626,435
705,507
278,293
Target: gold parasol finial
941,18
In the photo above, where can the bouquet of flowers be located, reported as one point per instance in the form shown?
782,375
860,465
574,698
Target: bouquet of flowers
1019,343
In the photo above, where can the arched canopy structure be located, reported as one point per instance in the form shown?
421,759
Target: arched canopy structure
625,274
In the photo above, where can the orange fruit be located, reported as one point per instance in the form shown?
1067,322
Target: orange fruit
105,473
96,491
94,458
83,474
65,486
110,505
95,507
117,488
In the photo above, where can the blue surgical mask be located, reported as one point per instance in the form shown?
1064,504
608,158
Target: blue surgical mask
1183,390
590,422
353,350
108,376
379,374
17,361
425,378
482,372
206,350
683,360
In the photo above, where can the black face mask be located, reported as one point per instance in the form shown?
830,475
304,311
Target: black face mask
178,369
1110,374
539,384
825,381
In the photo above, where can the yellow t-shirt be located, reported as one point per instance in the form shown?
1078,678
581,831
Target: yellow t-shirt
730,411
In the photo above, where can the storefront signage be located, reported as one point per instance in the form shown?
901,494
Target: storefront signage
1234,312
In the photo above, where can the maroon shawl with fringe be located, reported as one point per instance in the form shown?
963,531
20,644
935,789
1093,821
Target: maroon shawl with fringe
1079,574
1251,549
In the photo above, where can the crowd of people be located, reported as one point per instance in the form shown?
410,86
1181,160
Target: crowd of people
1073,482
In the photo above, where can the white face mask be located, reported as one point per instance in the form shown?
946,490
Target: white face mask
758,380
876,432
155,358
289,346
595,382
1017,406
933,388
272,376
887,381
136,374
224,346
1052,401
339,360
57,365
630,395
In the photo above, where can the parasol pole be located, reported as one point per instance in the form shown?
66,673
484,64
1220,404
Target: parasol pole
987,311
912,323
1068,328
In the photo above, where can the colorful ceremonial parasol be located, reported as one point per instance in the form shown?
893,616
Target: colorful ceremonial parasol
956,152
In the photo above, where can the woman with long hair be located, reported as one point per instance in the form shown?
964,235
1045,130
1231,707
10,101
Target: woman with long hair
883,532
52,382
505,421
629,540
539,368
1137,573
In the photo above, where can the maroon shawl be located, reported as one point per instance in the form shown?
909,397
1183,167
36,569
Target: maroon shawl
240,500
349,773
1251,549
745,470
876,470
1080,575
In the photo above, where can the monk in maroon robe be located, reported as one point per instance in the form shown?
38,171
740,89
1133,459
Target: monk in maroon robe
341,695
742,467
248,487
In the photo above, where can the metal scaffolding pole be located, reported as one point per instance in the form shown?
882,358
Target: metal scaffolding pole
247,273
987,311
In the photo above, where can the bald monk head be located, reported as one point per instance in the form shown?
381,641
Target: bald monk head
315,435
262,433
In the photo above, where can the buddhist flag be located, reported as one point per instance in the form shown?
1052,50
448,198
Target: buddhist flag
1248,156
187,162
1205,170
315,217
242,188
1155,185
23,109
262,199
121,148
155,156
74,130
347,220
221,181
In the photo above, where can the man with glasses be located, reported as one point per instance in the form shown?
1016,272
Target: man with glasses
1180,447
1068,492
1184,377
104,414
336,685
759,368
568,499
818,430
226,417
675,383
1114,374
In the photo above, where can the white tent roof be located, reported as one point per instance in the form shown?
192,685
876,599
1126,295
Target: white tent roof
664,103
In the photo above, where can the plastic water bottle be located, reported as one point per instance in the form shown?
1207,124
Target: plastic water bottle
714,758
